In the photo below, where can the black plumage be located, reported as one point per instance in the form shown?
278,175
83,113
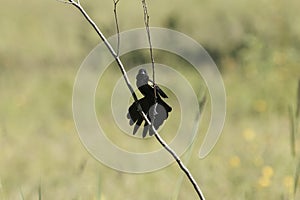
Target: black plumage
147,103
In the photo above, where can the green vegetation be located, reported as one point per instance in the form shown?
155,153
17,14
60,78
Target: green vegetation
256,45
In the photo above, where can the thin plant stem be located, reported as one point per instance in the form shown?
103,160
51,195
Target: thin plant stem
146,21
178,160
189,152
117,25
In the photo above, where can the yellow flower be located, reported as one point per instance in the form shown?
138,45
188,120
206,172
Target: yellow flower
267,171
249,134
264,181
234,161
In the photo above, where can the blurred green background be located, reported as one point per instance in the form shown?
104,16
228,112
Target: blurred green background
256,45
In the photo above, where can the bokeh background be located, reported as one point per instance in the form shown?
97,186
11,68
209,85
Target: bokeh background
256,45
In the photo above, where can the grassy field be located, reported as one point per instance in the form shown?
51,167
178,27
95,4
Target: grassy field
256,45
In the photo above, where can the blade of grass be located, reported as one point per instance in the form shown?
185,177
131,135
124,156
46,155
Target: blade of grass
292,135
298,101
296,178
40,191
21,194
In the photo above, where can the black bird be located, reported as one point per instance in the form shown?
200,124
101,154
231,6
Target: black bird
147,103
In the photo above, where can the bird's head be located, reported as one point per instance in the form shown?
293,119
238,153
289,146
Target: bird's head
142,78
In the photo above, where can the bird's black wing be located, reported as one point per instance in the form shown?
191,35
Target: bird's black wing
147,105
161,92
133,114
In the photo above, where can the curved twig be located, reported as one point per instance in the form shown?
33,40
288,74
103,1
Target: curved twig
117,25
120,64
